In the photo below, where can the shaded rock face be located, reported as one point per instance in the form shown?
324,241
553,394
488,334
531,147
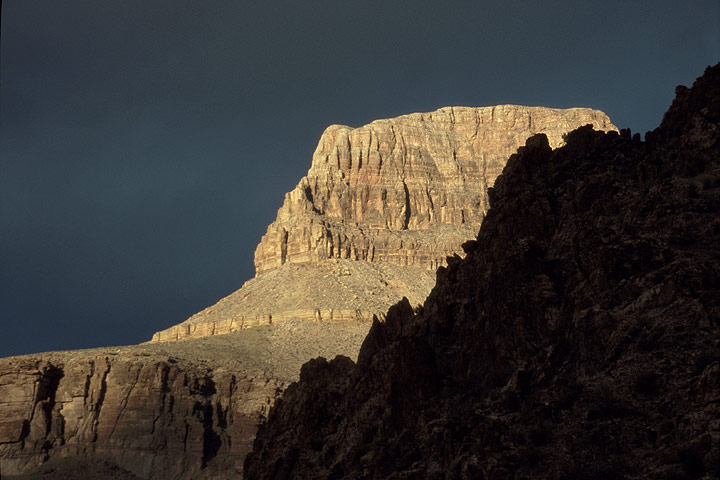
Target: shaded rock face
384,192
152,417
181,410
579,338
394,197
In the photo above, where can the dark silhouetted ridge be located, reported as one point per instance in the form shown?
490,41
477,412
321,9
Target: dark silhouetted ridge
579,338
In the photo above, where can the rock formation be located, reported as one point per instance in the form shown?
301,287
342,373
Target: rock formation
181,410
579,338
380,208
388,191
406,192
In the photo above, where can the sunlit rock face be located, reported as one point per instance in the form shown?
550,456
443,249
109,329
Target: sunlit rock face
148,415
579,337
407,190
381,207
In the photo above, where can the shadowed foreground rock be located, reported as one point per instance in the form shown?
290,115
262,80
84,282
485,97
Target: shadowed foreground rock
579,338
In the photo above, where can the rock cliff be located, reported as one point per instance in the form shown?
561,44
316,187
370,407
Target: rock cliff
579,337
380,208
404,192
389,190
181,410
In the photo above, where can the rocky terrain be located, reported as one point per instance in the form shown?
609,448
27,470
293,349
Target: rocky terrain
579,338
180,410
399,195
380,208
334,290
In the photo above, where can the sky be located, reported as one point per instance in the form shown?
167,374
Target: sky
145,145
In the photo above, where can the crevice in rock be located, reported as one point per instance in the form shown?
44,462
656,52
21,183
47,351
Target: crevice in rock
24,432
100,399
47,389
211,441
406,209
125,400
88,378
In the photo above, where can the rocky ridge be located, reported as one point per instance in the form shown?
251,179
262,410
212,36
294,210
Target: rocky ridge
579,338
398,195
335,290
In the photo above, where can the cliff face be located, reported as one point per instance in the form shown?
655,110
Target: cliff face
389,202
579,338
182,410
148,415
380,209
384,192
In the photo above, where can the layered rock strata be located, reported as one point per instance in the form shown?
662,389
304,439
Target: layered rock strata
189,409
182,410
335,290
389,190
579,338
404,192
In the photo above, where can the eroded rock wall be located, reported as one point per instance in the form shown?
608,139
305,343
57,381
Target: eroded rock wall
178,411
147,415
407,190
404,192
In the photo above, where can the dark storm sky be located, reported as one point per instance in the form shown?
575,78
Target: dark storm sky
145,145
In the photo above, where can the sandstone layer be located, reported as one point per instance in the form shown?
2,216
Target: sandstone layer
579,338
181,410
384,191
404,192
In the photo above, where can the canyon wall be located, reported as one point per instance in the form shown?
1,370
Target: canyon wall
155,418
407,190
172,411
404,192
381,207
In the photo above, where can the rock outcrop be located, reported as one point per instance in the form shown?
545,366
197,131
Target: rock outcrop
397,195
388,191
181,410
579,338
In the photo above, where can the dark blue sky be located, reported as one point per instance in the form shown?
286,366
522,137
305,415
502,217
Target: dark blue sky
145,145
